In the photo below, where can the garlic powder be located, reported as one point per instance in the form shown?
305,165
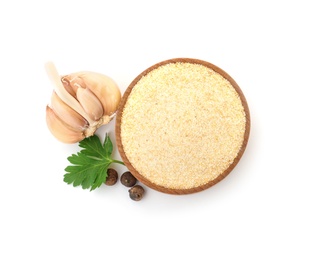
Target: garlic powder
183,125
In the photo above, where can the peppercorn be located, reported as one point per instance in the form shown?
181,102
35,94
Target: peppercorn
128,179
112,177
136,192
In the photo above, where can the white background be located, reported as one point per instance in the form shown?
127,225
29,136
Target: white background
267,208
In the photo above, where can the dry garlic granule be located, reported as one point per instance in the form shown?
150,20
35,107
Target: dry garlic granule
183,125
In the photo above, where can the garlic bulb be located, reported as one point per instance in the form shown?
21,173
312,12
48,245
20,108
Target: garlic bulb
80,103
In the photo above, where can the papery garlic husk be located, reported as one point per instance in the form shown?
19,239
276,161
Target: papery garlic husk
80,103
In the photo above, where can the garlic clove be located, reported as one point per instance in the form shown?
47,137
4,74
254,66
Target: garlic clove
71,88
108,91
72,84
60,130
63,93
90,103
67,114
104,88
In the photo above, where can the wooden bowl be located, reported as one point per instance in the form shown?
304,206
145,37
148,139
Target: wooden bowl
219,121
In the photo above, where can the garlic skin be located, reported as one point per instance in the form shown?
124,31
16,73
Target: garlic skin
80,103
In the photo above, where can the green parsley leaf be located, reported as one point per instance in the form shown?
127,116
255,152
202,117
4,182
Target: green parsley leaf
88,167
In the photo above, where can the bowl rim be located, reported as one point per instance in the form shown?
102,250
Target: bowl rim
209,184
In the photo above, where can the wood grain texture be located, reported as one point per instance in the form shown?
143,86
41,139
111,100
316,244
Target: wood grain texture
209,184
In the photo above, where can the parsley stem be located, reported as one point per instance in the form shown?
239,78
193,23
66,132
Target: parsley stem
116,161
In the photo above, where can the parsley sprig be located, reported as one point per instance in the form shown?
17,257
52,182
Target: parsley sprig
88,167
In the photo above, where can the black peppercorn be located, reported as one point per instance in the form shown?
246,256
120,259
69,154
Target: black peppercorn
112,177
128,179
136,192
